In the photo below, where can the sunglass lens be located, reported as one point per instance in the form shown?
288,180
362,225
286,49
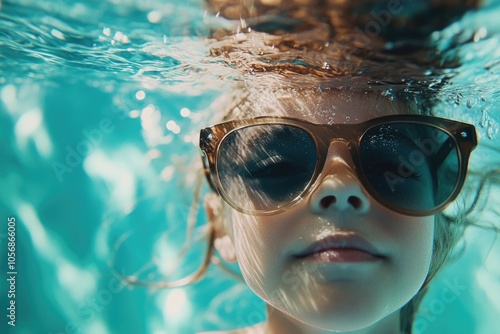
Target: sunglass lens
410,166
266,166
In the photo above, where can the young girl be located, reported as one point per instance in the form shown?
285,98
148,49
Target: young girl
328,180
330,201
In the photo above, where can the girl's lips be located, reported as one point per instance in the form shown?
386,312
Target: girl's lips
342,255
341,248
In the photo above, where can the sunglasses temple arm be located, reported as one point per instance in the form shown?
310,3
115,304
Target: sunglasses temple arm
438,158
443,152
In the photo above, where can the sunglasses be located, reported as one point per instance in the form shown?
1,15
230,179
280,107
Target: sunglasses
412,164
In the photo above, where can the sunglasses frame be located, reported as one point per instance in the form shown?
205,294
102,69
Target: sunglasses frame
463,135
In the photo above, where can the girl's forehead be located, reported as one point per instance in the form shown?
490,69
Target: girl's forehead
320,106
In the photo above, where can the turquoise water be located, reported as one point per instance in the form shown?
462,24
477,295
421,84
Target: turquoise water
100,105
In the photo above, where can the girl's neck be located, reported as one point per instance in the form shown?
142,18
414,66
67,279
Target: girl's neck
279,323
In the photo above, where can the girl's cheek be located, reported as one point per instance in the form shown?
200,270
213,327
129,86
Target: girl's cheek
255,251
415,249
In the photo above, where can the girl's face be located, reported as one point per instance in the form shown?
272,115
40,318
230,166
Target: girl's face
335,290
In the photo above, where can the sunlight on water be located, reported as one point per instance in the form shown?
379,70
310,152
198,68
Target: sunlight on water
38,233
97,326
28,123
8,97
78,281
119,179
176,307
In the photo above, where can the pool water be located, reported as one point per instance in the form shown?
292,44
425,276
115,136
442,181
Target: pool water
100,105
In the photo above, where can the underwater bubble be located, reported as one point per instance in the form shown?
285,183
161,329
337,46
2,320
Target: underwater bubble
57,34
106,31
134,113
173,126
154,16
389,93
140,95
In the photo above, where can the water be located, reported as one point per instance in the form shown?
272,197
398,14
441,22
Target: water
100,105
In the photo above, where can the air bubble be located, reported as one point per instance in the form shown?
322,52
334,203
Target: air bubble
57,34
155,16
172,126
140,95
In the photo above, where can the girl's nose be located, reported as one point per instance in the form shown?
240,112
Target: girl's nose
339,189
339,192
